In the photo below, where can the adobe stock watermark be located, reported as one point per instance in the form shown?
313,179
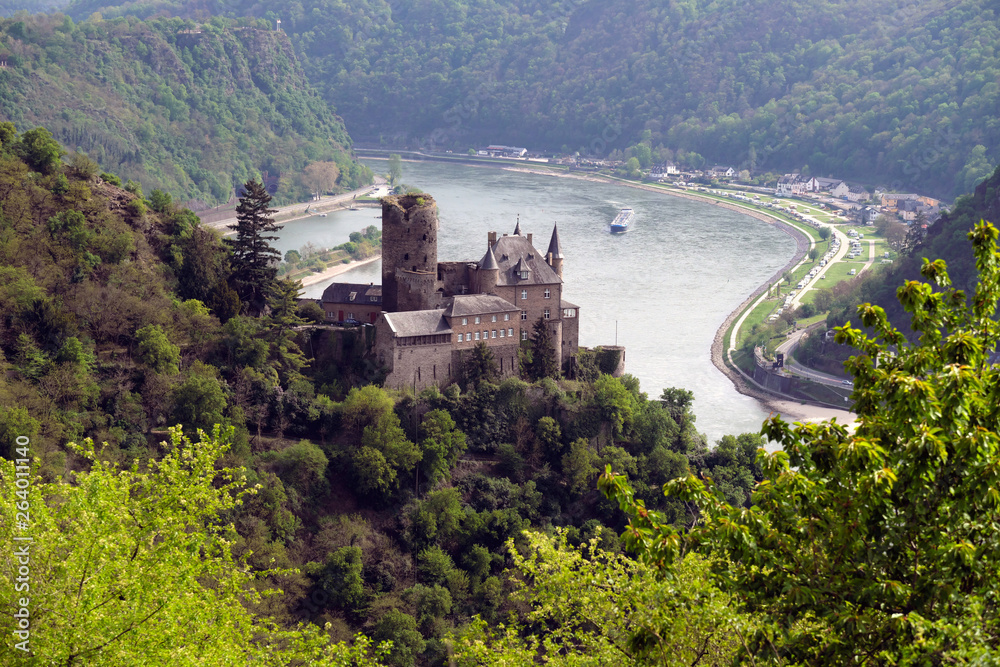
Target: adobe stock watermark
22,544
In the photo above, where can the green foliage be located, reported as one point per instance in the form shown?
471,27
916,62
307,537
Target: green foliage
160,201
341,579
616,403
542,359
587,606
111,178
579,466
442,445
199,399
180,106
151,568
895,93
399,628
156,351
252,253
40,150
481,366
917,477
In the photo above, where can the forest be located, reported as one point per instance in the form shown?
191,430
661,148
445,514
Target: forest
893,93
128,325
189,108
205,480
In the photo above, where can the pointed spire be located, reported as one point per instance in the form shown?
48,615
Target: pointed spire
489,260
554,248
517,227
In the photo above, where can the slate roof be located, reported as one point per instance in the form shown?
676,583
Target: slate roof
554,244
827,182
489,261
464,305
417,323
353,293
563,303
513,251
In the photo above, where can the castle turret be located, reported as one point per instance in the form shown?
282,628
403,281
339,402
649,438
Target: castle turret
409,252
554,256
488,273
517,227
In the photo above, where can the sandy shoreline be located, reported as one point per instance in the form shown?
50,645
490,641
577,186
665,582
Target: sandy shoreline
338,269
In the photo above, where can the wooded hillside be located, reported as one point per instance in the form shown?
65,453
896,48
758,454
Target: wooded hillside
902,94
191,108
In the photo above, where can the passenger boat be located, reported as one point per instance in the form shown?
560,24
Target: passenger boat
621,222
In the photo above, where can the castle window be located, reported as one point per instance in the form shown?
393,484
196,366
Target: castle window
524,314
501,333
546,314
460,339
524,294
510,332
494,334
548,294
465,320
477,335
494,318
569,312
425,237
406,256
486,335
524,275
524,335
477,319
506,317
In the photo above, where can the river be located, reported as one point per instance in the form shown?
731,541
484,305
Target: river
661,290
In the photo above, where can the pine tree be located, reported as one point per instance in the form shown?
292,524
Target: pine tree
543,357
254,259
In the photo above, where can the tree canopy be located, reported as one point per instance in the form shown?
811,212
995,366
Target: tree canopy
254,259
132,566
877,543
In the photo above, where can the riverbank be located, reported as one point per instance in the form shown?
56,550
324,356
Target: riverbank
337,270
773,402
293,212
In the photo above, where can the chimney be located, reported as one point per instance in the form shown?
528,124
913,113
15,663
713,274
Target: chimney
491,238
529,239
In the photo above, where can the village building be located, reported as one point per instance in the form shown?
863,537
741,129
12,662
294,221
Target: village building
434,313
791,184
346,302
663,170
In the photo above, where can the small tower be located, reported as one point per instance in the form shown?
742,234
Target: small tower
554,256
409,251
517,227
489,272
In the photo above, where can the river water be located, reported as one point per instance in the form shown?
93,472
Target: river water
661,290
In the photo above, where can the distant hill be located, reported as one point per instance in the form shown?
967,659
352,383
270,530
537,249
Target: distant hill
9,7
188,107
896,93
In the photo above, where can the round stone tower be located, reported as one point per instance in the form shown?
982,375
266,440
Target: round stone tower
409,251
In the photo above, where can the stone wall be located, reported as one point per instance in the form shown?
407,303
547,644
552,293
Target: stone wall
409,242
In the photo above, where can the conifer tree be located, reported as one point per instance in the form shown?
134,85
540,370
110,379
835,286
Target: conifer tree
254,259
543,362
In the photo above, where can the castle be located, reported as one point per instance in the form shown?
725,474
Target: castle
434,313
